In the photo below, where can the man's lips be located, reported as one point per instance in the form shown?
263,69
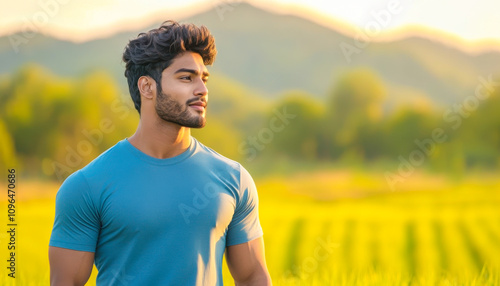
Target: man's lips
198,105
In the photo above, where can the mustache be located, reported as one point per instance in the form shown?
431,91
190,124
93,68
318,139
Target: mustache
195,100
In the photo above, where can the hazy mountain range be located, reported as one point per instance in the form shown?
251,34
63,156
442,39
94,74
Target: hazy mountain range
271,53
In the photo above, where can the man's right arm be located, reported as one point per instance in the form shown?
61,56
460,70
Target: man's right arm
74,234
69,267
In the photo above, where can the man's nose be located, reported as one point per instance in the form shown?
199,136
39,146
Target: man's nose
201,88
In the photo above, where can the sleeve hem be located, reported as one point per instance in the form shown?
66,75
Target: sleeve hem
244,239
72,246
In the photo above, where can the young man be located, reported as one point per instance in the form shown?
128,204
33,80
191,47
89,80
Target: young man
160,208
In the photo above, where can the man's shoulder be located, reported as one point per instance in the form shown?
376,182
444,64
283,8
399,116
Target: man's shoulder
216,159
108,159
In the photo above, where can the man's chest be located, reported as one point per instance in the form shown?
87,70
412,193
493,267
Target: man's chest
167,207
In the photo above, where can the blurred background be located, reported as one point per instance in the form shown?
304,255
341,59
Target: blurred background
371,128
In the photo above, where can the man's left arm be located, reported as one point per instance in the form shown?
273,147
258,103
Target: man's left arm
247,263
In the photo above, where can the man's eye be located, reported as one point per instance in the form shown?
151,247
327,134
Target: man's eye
186,77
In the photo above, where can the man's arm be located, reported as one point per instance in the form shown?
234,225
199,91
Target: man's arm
69,267
247,263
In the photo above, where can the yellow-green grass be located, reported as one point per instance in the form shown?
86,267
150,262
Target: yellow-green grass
430,231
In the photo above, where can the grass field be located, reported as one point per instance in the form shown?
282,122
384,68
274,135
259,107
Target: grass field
333,227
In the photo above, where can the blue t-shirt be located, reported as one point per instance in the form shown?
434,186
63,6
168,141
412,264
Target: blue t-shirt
157,221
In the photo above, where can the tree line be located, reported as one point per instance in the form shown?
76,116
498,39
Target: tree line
51,126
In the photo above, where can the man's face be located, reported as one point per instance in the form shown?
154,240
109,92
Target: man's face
184,95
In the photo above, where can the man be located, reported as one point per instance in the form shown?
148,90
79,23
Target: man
160,208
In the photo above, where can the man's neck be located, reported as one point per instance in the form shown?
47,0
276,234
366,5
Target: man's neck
161,140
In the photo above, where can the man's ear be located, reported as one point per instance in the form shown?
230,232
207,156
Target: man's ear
147,87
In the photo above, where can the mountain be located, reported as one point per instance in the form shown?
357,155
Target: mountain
272,53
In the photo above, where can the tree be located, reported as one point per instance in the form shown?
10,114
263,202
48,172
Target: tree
479,132
296,126
7,152
354,110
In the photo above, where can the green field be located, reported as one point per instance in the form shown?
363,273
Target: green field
335,228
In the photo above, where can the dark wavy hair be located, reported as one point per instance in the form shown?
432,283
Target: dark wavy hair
152,52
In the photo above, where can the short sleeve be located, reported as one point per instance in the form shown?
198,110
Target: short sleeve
76,223
245,225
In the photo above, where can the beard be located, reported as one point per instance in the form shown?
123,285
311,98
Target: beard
170,110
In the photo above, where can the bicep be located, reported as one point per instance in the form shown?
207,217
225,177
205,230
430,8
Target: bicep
246,261
69,267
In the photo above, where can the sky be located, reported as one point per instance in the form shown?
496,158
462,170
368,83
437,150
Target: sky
80,20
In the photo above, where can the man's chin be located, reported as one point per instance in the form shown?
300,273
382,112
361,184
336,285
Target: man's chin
201,125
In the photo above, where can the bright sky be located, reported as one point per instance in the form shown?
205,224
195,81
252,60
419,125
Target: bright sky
82,19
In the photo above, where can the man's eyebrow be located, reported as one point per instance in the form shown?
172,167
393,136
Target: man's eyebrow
195,72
